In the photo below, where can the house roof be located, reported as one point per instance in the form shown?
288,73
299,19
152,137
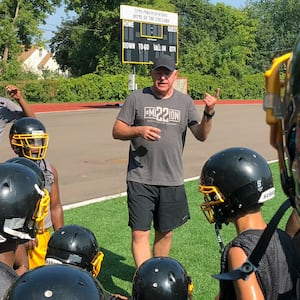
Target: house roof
26,53
44,60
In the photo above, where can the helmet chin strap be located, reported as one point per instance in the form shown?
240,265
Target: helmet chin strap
218,226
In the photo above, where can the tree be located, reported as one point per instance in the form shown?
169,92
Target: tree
92,42
214,39
277,30
19,21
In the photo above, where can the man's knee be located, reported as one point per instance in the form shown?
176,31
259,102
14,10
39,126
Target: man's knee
140,235
163,235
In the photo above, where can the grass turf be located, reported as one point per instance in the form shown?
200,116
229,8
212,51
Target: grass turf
194,244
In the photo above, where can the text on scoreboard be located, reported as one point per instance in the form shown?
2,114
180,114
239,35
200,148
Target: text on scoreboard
147,34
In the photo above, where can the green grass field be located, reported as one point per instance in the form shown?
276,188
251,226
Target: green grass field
194,244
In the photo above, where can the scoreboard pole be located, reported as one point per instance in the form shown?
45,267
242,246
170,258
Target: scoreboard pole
131,80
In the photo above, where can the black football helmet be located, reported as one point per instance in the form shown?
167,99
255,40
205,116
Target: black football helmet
75,245
161,278
55,282
20,196
45,201
234,181
28,138
32,165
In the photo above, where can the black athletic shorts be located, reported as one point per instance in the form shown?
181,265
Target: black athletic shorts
165,206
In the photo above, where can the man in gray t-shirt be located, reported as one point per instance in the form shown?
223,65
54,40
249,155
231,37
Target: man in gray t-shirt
155,120
10,111
7,277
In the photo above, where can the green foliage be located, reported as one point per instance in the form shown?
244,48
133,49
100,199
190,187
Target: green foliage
91,43
93,87
12,71
19,24
277,29
248,87
95,38
252,86
214,39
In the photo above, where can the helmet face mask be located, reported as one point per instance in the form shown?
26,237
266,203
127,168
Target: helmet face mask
28,138
285,125
96,263
234,181
212,198
42,210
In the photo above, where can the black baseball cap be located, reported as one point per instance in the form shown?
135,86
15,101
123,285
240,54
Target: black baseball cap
164,61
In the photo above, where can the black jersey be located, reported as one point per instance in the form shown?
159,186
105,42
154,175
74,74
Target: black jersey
277,271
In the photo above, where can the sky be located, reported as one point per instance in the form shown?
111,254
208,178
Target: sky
53,21
234,3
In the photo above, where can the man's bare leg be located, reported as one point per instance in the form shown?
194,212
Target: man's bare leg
162,243
140,246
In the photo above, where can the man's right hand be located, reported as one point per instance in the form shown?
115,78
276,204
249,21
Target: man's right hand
150,133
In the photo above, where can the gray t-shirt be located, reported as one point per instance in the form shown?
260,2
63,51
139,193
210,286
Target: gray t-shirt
9,112
158,162
7,277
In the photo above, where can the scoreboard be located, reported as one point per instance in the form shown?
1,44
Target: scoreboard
147,33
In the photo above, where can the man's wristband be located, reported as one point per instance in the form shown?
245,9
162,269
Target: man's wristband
208,115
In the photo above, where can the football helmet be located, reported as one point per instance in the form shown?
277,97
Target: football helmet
282,106
75,245
161,278
32,165
44,203
28,138
20,196
292,122
55,282
234,181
